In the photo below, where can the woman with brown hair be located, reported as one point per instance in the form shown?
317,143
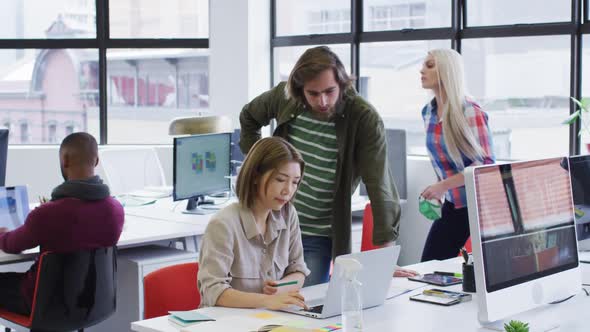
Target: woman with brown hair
253,247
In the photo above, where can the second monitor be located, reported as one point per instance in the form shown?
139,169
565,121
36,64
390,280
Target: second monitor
580,177
201,167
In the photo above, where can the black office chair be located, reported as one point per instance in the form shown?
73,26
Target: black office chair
73,291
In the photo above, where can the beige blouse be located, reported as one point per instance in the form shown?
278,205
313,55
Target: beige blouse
234,253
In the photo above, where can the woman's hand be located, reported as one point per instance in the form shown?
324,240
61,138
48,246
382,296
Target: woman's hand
269,287
284,300
435,191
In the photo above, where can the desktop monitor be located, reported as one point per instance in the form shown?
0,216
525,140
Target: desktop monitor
14,206
201,167
580,178
3,152
522,226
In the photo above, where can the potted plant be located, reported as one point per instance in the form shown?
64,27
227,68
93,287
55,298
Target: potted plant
516,326
581,114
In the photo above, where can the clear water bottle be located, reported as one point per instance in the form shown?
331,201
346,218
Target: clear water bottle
352,306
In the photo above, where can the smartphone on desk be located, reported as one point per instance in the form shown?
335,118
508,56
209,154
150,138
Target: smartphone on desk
446,301
437,279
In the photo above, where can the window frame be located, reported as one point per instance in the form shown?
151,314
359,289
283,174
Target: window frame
103,42
576,28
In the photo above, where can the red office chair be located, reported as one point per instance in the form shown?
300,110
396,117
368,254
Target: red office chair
367,233
171,288
467,246
73,291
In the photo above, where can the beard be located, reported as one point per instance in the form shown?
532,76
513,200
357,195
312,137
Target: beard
324,116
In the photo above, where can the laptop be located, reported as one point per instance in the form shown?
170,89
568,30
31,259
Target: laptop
14,206
376,274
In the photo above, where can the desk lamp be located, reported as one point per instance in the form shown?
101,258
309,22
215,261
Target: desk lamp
197,125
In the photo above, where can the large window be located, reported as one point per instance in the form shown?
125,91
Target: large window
390,80
303,17
500,12
523,84
379,15
521,61
53,68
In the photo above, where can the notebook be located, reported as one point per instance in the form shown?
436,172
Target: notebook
186,318
14,206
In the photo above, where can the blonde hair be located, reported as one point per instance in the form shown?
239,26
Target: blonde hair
456,132
268,154
311,63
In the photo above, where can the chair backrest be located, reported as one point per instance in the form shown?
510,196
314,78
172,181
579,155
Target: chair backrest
74,290
129,169
367,233
171,288
467,246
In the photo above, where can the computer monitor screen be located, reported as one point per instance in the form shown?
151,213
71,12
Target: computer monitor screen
580,177
14,206
3,152
522,225
201,166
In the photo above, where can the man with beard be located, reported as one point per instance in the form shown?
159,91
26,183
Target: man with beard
342,140
81,215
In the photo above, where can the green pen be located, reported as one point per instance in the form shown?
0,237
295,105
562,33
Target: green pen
449,274
287,283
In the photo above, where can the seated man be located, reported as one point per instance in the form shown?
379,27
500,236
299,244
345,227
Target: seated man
80,216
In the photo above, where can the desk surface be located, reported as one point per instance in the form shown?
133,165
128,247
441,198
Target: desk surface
397,314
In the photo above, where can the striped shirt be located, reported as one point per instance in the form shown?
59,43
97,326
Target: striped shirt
437,147
316,141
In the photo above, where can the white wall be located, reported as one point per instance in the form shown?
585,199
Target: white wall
239,61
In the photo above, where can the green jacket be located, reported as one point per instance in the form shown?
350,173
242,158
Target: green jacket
362,153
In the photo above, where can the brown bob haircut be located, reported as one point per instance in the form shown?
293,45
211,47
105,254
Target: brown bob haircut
268,154
311,63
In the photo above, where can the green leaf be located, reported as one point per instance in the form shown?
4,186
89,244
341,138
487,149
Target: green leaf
516,326
572,118
579,103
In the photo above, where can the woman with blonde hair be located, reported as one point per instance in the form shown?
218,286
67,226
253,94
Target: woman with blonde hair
252,246
457,136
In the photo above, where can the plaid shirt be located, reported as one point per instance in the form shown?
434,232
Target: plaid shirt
437,147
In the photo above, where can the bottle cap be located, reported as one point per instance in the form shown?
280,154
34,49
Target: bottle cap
349,267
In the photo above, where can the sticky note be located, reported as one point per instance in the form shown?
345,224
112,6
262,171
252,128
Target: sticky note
264,315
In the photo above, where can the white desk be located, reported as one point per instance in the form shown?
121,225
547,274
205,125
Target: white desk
397,314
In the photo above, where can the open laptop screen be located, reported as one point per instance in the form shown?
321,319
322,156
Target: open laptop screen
14,206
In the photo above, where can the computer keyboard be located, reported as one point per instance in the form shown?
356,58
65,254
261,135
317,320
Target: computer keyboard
316,309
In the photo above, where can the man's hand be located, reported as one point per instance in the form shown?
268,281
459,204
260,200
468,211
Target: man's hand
404,273
284,300
3,230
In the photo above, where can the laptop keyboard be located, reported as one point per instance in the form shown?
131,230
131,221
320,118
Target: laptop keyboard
316,309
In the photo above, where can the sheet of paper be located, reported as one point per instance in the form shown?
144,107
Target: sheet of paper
400,286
